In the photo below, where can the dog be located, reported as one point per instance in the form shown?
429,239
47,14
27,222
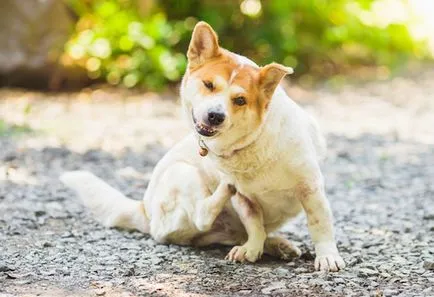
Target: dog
251,163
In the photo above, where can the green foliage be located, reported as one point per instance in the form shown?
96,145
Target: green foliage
115,43
317,37
13,130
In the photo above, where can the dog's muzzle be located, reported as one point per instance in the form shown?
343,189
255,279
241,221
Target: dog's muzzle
203,129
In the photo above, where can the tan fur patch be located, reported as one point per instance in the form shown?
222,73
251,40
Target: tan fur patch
304,190
248,208
246,77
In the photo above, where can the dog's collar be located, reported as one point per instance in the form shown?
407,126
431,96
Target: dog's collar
204,150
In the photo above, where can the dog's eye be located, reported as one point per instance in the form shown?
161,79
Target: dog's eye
209,85
240,100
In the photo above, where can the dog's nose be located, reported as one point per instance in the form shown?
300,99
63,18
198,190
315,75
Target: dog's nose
215,118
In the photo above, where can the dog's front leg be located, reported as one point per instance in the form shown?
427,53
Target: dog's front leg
250,214
320,224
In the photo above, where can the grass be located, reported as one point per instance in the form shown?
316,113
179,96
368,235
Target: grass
12,130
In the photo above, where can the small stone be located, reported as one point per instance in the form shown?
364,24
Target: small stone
4,268
317,282
47,244
428,265
339,280
100,292
301,270
9,157
429,216
40,213
130,272
281,271
156,260
12,275
272,287
67,235
390,292
367,272
385,275
307,256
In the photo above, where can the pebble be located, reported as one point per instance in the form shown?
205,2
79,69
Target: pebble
281,271
100,292
272,287
367,272
378,204
428,264
4,268
390,292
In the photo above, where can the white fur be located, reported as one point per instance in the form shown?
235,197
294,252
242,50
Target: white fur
188,200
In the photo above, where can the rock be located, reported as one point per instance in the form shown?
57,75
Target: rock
130,271
281,271
40,213
308,256
4,268
100,292
367,272
429,216
339,280
428,264
272,287
33,35
9,157
47,244
156,260
390,292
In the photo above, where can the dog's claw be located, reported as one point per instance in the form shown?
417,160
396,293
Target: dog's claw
329,263
242,254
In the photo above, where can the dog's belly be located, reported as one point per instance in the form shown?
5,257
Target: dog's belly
275,193
278,207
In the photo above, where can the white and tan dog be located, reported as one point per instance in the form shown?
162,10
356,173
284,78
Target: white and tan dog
258,165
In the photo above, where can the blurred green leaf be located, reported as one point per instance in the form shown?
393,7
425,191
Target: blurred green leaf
321,38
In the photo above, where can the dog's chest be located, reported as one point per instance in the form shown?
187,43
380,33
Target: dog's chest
274,191
270,183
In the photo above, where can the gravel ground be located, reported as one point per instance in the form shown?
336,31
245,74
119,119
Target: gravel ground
379,172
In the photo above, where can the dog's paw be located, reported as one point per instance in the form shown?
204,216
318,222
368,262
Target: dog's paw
332,262
327,257
281,248
244,253
287,250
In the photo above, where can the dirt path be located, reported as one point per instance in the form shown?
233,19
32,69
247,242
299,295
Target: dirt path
379,172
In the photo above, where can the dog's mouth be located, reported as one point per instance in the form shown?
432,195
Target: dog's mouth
202,129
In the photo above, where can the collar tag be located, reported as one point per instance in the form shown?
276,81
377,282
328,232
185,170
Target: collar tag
203,150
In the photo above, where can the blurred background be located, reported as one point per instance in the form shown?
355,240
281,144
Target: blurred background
51,44
93,85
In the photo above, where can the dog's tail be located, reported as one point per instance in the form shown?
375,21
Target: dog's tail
109,206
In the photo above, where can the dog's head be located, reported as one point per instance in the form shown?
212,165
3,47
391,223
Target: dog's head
226,96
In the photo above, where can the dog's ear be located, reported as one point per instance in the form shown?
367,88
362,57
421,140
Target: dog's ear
270,77
203,45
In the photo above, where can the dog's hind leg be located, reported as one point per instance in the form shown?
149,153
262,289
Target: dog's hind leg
250,214
210,207
281,248
183,206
